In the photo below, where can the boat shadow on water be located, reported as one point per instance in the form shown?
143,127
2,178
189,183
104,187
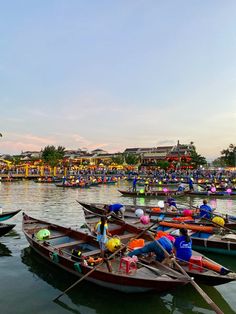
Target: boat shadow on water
4,251
87,298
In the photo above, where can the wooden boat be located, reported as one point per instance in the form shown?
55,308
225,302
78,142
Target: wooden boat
73,185
220,194
48,180
153,213
58,247
218,188
158,185
8,215
205,240
151,193
207,274
205,237
4,229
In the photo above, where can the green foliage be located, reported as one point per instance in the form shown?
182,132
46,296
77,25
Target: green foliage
219,162
197,159
131,159
229,156
52,155
118,159
16,160
163,164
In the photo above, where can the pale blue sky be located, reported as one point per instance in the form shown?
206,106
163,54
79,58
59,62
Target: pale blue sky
117,74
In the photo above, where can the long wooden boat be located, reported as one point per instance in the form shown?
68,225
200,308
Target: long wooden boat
178,216
57,249
9,214
73,185
151,193
218,188
5,228
48,180
220,194
207,274
205,238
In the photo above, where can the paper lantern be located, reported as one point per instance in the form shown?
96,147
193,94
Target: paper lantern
219,221
145,219
161,204
43,234
139,212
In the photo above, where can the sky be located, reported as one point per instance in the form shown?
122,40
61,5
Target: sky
117,74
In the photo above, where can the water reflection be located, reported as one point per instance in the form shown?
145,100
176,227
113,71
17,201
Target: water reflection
88,298
4,251
59,206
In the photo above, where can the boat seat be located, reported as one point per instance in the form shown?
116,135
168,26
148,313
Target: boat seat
57,236
127,236
68,244
229,237
90,253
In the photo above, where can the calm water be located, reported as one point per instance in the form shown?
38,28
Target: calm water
28,283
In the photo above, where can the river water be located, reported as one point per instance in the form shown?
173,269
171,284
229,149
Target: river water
29,284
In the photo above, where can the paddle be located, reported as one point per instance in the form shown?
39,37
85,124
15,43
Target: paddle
193,283
111,256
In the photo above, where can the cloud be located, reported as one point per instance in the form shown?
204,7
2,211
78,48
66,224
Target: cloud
15,143
166,142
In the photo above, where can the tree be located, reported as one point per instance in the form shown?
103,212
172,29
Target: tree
118,159
229,155
131,159
197,159
52,155
219,162
163,164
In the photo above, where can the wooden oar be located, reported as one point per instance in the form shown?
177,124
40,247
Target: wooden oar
111,256
193,283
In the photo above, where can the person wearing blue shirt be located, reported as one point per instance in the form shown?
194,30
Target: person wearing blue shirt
190,184
117,209
205,210
183,246
153,247
135,184
181,188
170,204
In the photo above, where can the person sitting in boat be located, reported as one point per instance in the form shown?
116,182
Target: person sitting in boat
153,247
205,210
146,186
183,246
181,187
170,204
101,229
117,209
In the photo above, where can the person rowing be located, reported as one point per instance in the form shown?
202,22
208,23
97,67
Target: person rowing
206,210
